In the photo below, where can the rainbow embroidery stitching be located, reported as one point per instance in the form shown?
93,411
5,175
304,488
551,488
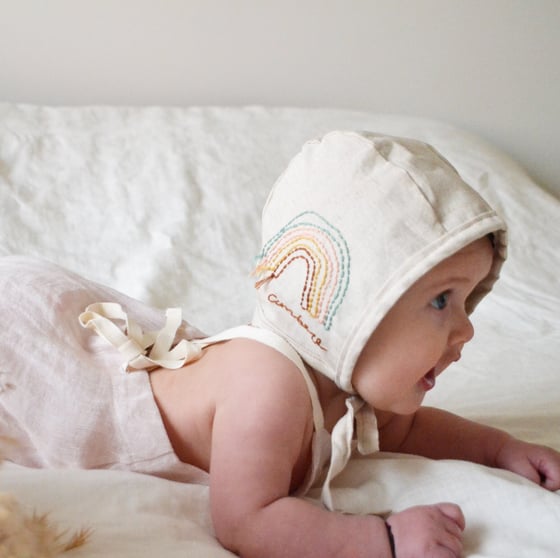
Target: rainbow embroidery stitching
311,239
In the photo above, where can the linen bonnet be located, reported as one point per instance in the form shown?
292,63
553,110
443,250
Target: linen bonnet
351,224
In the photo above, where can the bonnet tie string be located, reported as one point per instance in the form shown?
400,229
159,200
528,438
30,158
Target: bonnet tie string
360,413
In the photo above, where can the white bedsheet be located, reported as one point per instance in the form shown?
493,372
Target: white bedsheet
164,205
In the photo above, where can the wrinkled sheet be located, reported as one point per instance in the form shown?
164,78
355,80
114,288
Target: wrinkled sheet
163,204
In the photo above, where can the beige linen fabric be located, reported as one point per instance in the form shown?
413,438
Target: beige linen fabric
65,398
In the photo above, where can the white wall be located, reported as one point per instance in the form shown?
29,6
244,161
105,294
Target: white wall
491,66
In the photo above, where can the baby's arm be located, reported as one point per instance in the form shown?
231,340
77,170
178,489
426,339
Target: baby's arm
262,425
442,435
260,440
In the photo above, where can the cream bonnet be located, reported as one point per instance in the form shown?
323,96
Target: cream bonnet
352,223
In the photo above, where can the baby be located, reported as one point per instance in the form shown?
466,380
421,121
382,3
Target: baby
374,254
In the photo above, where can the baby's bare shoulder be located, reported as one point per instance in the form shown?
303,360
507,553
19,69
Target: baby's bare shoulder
253,365
263,408
248,384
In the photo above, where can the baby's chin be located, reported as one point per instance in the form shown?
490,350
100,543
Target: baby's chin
406,406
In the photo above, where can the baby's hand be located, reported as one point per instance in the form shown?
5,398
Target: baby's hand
428,531
536,463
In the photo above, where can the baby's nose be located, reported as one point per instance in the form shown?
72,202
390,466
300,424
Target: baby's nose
463,332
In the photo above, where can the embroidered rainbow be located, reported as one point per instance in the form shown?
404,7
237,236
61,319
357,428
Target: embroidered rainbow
310,239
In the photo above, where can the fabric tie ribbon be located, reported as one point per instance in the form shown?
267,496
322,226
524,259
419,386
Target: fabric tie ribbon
141,350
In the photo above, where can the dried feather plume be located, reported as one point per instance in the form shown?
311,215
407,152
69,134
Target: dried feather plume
32,535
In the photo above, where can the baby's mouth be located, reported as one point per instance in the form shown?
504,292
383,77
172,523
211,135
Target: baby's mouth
429,380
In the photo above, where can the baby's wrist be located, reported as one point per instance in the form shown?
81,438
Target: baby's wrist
500,447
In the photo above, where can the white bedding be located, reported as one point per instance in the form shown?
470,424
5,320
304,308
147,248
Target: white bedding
164,205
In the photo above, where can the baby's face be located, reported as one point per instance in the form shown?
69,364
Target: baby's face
422,334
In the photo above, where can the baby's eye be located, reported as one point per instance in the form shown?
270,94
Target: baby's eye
440,302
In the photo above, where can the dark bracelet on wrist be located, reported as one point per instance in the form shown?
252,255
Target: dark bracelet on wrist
391,540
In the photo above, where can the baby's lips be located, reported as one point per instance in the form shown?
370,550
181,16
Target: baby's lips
429,380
